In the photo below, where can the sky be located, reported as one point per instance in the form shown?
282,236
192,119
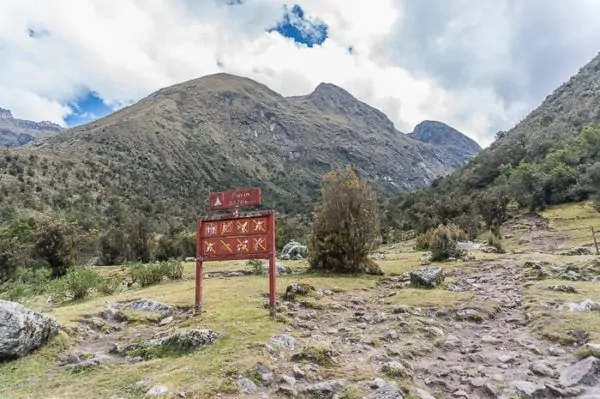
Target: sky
479,66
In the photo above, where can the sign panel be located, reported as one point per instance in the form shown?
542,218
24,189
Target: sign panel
235,198
236,237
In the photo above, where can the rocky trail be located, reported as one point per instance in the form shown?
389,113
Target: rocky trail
482,349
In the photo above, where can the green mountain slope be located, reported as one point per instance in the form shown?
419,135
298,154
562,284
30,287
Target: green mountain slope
551,156
164,154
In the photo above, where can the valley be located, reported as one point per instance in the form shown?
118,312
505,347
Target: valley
499,325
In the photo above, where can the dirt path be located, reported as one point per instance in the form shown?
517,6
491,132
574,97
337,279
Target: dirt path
472,352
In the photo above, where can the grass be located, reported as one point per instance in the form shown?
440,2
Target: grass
232,306
574,221
562,326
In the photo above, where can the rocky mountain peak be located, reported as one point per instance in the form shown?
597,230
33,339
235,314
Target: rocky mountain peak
440,134
5,114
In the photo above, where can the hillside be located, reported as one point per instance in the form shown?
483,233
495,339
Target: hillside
162,155
17,132
444,136
552,156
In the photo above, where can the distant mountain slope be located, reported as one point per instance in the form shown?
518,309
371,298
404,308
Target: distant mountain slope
163,154
551,156
16,132
444,136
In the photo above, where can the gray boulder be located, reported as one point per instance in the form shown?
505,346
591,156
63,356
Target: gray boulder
427,277
294,250
149,305
584,372
23,330
282,268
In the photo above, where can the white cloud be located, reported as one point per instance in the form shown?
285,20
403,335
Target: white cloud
126,49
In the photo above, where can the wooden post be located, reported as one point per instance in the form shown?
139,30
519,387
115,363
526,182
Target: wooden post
595,241
199,272
272,268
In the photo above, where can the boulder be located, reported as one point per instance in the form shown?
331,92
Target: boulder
182,341
578,251
282,268
427,277
152,306
23,330
584,372
294,251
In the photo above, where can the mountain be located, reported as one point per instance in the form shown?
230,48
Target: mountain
16,132
444,136
164,154
552,156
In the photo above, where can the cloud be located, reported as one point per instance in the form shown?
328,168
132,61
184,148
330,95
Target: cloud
479,66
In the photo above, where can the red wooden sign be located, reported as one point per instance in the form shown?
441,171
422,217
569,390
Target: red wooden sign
235,237
234,199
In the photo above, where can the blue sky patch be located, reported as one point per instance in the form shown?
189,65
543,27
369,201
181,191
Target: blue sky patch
296,26
87,108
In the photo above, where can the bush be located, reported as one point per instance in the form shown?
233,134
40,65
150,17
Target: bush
346,225
77,284
495,241
443,243
146,274
173,269
109,285
424,240
256,265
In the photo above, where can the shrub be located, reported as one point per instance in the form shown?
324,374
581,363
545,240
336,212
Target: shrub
422,242
109,285
147,274
346,225
77,284
173,269
495,241
256,265
443,243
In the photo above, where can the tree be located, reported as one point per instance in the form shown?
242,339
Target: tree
56,243
346,225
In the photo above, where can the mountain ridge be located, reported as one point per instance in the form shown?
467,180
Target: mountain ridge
16,132
220,132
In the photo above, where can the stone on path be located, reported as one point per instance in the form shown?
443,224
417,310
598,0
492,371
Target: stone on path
427,277
584,372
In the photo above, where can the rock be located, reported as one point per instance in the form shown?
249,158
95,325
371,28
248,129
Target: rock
325,388
587,305
490,390
477,382
111,313
86,364
386,391
584,372
564,392
165,321
281,269
286,379
423,394
394,369
543,369
563,288
592,393
149,305
460,394
265,374
157,390
296,289
427,277
528,390
451,342
182,340
556,351
246,385
506,358
283,341
294,250
469,314
298,373
23,330
575,251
